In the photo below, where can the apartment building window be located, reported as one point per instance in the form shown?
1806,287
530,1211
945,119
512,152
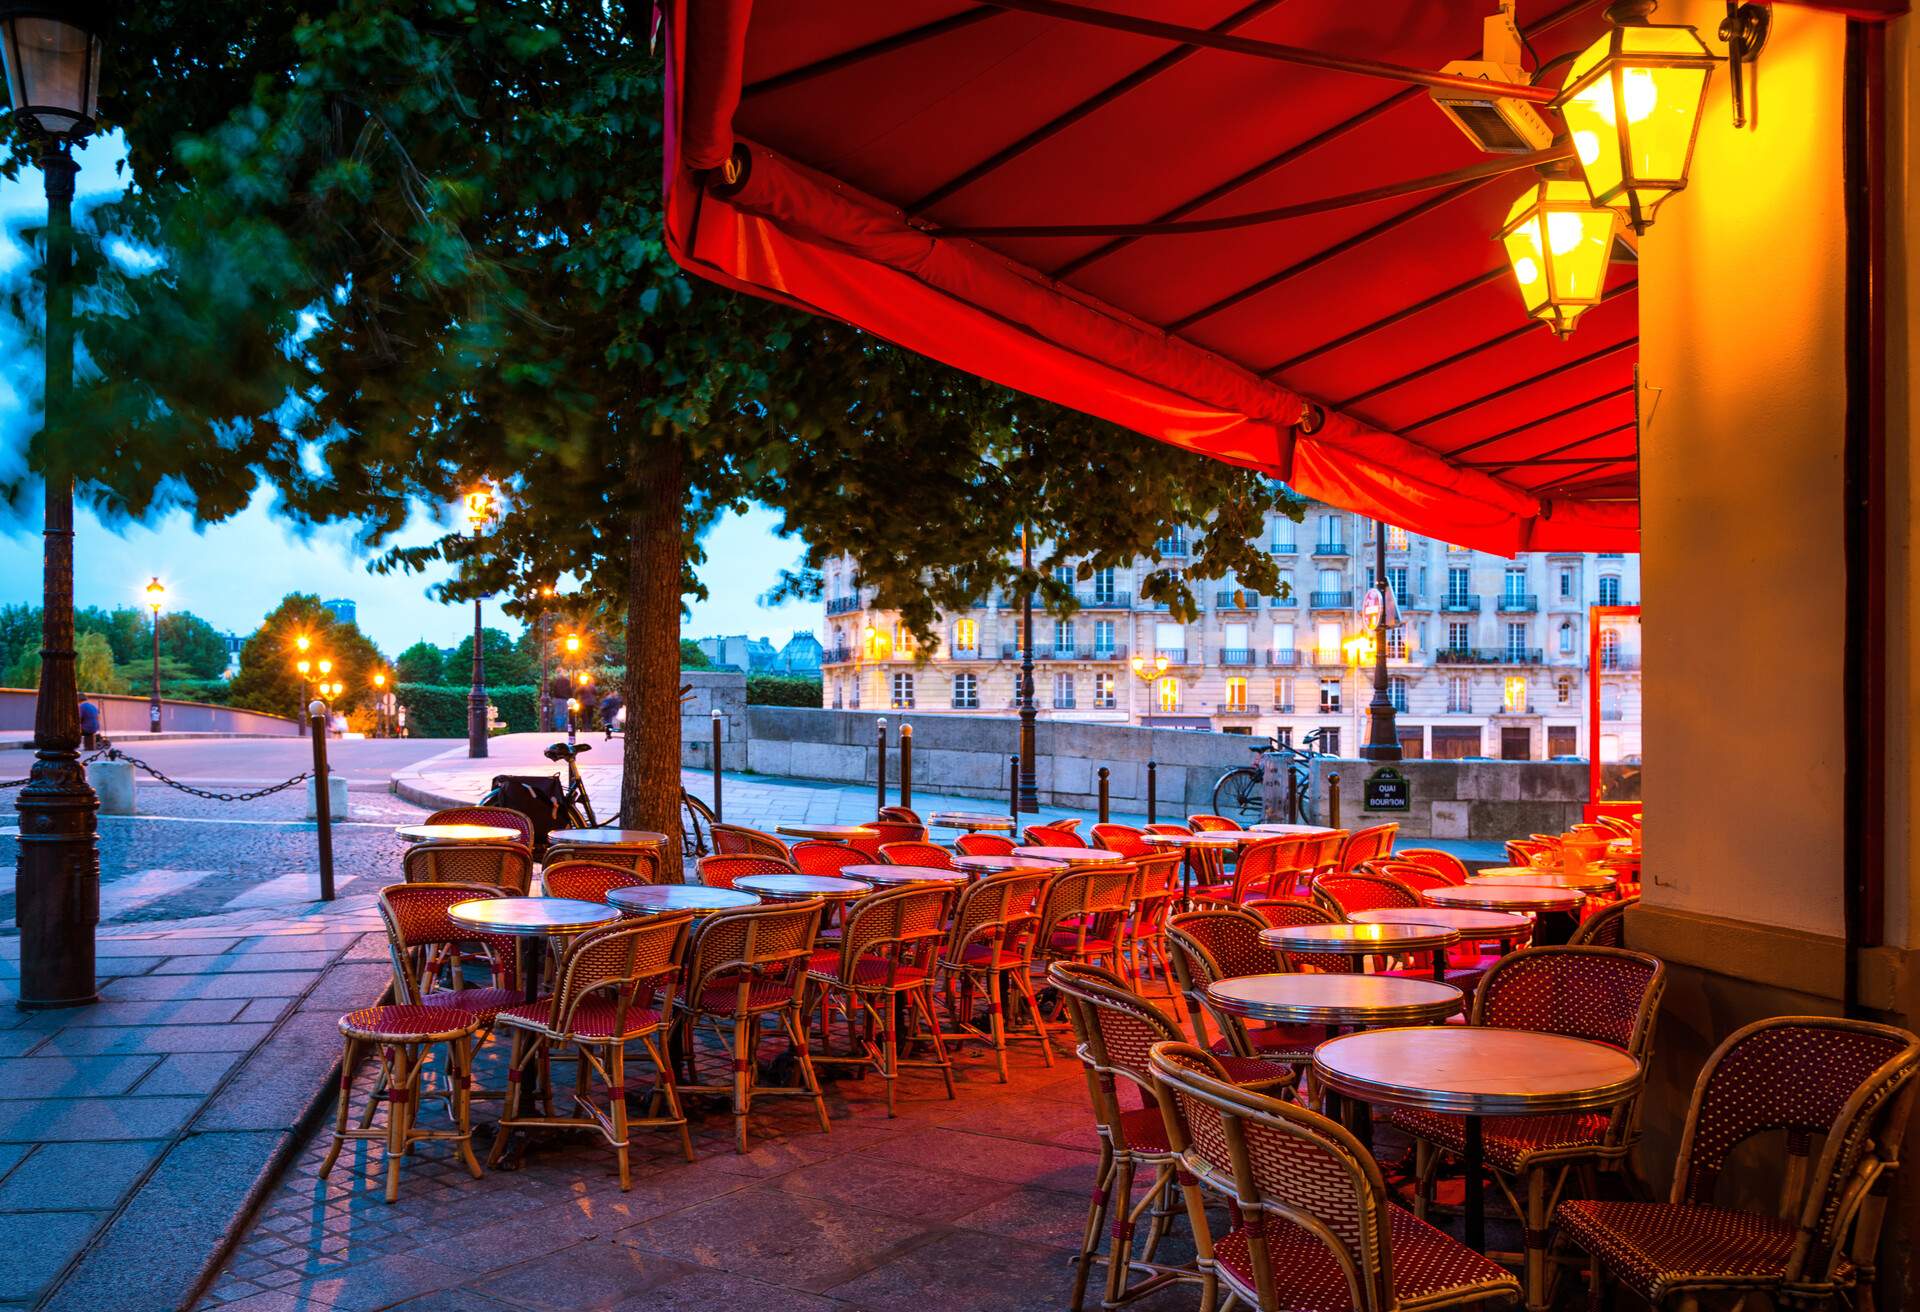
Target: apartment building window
1458,638
1514,695
1330,741
1103,586
902,691
1103,698
1063,638
1566,638
1170,640
1609,650
966,637
966,692
1236,695
1103,644
1610,708
1515,584
1397,643
1283,736
1285,590
1283,539
1516,642
1459,695
1236,643
839,694
1063,692
1423,580
1563,690
853,695
1332,530
1167,694
1397,692
1458,584
1329,696
1396,538
1397,580
1609,589
1283,642
1566,584
1283,694
902,638
1328,641
1063,575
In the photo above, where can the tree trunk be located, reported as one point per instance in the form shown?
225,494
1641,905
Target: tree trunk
650,782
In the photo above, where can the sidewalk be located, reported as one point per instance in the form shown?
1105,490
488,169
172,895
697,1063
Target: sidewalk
134,1132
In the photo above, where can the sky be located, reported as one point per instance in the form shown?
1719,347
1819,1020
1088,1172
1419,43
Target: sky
231,574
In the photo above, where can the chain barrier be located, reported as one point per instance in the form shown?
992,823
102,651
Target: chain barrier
115,754
5,784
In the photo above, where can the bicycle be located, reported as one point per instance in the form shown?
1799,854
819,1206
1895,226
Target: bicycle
1240,794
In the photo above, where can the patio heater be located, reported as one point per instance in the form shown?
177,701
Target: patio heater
52,56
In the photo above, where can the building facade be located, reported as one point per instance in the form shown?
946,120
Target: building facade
1492,658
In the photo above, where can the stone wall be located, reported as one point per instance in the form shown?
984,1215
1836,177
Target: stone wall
967,756
1470,799
711,690
121,714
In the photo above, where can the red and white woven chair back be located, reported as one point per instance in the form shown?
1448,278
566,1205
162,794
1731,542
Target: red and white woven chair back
1124,839
1522,851
1093,898
1265,863
588,881
628,966
505,866
1215,944
985,845
719,871
1117,1026
1605,928
1284,912
1213,824
904,814
1415,876
897,926
1169,827
416,919
1443,863
771,941
1001,908
815,857
1349,893
917,854
1052,836
500,817
643,862
1608,995
887,831
1367,845
738,840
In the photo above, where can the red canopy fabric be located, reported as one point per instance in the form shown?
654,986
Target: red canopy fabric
817,149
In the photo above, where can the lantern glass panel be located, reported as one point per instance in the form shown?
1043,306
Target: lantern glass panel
1558,245
1656,78
53,69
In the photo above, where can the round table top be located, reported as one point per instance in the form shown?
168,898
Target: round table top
1499,895
971,821
608,838
831,833
1474,1070
458,834
660,899
1367,937
993,865
1206,838
1074,856
896,875
532,916
1299,998
1593,881
1290,829
798,888
1471,923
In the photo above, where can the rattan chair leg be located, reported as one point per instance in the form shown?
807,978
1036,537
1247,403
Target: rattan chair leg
889,1048
510,1111
744,1034
795,1023
1120,1252
617,1109
1023,981
923,1003
666,1094
1534,1275
349,1059
460,1068
1096,1222
997,1021
403,1086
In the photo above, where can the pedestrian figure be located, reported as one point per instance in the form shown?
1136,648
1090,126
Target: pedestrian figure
89,724
609,711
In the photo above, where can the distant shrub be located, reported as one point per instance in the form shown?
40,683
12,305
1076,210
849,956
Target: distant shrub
782,690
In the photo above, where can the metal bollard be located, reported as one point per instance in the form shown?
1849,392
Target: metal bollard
322,794
906,766
1293,797
1103,795
718,722
880,766
1153,792
1333,801
1013,792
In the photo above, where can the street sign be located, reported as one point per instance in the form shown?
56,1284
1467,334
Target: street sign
1386,789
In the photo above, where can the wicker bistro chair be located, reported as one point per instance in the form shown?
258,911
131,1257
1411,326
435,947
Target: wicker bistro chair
738,840
1445,864
405,1036
589,881
1224,943
1052,835
1415,876
1311,1223
507,867
1521,851
1603,994
1204,824
1260,864
1281,912
903,814
1115,1029
1605,928
1849,1081
816,857
1368,844
917,854
1083,914
884,832
1124,839
500,817
743,966
425,944
985,845
883,972
989,946
1143,934
1348,893
641,861
615,987
721,869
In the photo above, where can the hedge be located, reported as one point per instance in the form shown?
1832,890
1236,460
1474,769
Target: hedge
782,690
440,710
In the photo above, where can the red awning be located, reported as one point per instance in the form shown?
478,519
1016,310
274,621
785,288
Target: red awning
820,152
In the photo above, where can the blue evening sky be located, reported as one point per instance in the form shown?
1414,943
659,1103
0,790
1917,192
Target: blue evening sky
233,573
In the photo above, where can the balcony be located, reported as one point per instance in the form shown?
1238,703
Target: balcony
1171,546
1465,656
1612,662
966,654
1460,603
836,656
1287,602
1328,656
1174,655
1104,600
1239,708
1063,703
1236,599
1522,656
1104,654
1331,601
1508,708
1067,651
1282,548
1329,548
842,605
1518,603
1236,656
1283,658
1283,708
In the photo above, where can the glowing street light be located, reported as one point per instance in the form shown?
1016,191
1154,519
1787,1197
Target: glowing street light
156,598
479,505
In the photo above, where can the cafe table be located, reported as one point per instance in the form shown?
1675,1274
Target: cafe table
802,888
827,833
1070,856
1207,840
1271,829
993,865
887,876
1474,1071
1552,907
645,840
458,834
1474,926
1591,881
973,822
666,899
1360,941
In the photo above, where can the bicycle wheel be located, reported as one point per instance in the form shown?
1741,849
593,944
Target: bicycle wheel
1300,781
1237,793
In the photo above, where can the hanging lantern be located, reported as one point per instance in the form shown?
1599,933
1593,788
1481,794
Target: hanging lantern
1632,106
1559,246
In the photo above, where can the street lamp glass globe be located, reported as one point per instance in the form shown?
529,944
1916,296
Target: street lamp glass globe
305,667
52,55
326,667
301,642
156,595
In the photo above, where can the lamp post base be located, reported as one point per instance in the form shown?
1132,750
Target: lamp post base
58,891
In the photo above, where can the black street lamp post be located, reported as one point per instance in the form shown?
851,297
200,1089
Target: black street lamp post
1029,783
479,511
1383,735
52,56
156,597
545,622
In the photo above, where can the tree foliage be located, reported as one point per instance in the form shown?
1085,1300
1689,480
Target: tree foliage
506,662
269,680
421,663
